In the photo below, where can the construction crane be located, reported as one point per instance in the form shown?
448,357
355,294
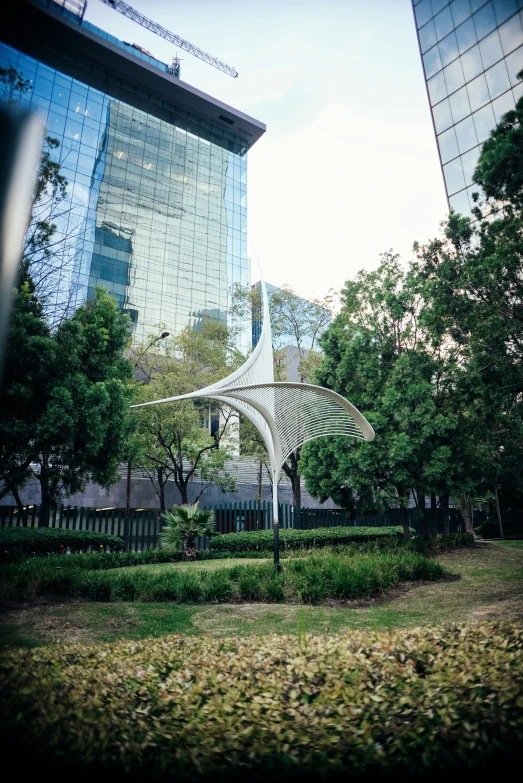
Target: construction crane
126,10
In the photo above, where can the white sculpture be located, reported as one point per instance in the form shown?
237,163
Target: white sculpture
285,414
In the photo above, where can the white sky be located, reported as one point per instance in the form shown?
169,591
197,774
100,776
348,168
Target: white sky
348,167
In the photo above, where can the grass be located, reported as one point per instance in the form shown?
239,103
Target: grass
199,565
489,587
310,579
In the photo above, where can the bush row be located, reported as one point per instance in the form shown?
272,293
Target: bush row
360,704
262,540
308,579
17,542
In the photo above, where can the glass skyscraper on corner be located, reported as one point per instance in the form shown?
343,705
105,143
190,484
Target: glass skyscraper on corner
472,51
156,206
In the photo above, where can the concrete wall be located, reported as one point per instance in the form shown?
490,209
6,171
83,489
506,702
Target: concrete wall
143,495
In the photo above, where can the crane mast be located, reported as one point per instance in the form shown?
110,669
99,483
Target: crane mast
131,13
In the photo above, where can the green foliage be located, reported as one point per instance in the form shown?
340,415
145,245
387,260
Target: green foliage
499,169
262,540
65,397
18,542
441,700
175,439
336,575
183,525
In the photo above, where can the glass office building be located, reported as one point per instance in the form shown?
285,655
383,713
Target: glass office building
471,52
156,206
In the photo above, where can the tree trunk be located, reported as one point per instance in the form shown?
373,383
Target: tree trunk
433,525
19,504
291,471
128,492
498,512
260,480
161,489
405,521
184,493
420,496
444,500
45,503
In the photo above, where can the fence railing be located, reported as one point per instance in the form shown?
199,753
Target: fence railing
140,528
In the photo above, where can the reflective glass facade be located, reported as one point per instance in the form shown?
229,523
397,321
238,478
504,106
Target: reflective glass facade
471,52
156,200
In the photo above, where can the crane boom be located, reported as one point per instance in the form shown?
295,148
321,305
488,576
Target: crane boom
126,10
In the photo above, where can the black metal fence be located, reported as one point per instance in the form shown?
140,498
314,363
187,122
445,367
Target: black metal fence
140,528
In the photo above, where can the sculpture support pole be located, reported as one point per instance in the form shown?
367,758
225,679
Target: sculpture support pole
275,521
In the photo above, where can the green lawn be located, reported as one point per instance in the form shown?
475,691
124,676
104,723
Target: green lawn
489,586
199,565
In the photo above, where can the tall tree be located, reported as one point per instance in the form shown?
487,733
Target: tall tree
65,398
190,440
378,354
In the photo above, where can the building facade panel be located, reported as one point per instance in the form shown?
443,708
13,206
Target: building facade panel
156,204
471,51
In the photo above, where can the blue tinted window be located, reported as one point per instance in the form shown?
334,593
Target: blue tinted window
442,116
472,63
503,104
469,161
514,65
437,88
427,36
432,62
459,104
454,76
448,49
466,134
460,203
454,178
484,121
497,79
466,36
490,48
504,9
423,12
460,11
511,34
478,92
437,5
484,20
443,22
43,87
448,146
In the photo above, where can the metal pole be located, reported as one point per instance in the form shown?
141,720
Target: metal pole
275,522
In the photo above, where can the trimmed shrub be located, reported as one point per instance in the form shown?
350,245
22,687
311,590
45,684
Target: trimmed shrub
18,542
360,704
308,579
262,540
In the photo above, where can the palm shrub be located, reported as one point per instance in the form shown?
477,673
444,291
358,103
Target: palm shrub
183,525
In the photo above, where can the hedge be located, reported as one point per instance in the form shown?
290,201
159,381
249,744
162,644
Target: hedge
308,579
361,704
16,542
262,540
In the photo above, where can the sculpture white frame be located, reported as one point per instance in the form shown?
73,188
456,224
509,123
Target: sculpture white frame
285,414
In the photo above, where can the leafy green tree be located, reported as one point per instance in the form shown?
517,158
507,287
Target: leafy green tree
183,525
176,437
65,398
378,355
